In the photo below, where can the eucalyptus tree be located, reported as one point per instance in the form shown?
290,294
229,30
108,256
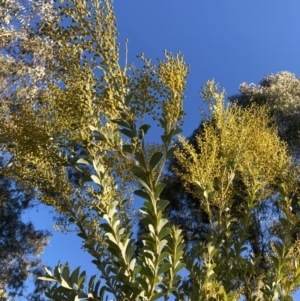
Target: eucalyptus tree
24,51
20,243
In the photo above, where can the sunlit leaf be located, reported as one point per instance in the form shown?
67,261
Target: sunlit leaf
83,161
96,179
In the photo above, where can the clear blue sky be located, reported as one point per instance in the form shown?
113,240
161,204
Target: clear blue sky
231,41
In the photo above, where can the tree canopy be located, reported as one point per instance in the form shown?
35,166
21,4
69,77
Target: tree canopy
20,243
280,92
81,142
23,53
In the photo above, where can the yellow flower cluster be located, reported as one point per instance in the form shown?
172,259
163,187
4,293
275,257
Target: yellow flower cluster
172,74
235,144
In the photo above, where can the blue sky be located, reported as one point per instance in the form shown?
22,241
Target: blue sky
232,41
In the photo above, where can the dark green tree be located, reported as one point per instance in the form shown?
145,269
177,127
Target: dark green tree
23,56
20,243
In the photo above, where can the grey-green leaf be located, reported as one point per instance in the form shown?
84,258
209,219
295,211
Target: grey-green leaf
155,159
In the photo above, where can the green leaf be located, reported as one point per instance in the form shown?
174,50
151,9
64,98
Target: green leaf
143,130
47,279
143,194
140,174
162,256
155,159
65,273
179,267
275,261
148,219
146,271
97,286
83,161
297,280
178,256
63,290
112,241
98,136
82,235
211,277
164,232
130,250
74,275
163,139
163,268
71,220
162,122
158,189
128,99
57,273
81,279
176,131
106,227
161,224
127,148
211,267
91,283
149,206
161,204
170,152
92,128
81,295
156,296
143,284
96,179
86,178
132,264
116,139
65,284
140,158
121,122
136,271
161,245
110,133
144,184
127,133
48,271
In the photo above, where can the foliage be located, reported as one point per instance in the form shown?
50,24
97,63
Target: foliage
280,92
82,143
24,51
20,243
238,161
23,55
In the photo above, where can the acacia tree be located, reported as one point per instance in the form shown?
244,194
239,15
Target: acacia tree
280,92
92,123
